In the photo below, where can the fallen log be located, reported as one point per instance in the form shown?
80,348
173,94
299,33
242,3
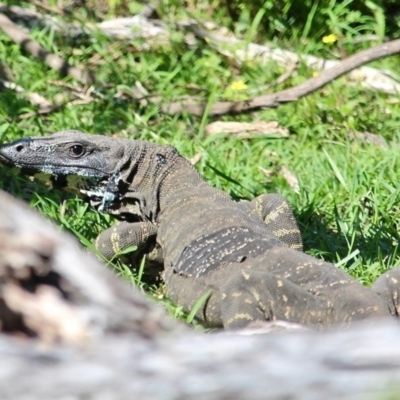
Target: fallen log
362,363
82,333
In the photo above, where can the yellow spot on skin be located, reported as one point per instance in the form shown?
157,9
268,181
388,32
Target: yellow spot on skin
280,283
285,299
281,209
246,276
256,295
114,238
284,232
394,280
236,294
287,312
240,316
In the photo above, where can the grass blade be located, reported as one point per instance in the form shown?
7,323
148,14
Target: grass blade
199,303
348,258
336,171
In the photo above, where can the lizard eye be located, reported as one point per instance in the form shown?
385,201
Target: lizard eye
77,150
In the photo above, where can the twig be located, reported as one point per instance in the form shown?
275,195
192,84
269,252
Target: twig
68,86
278,81
34,98
292,94
34,48
46,7
288,73
290,178
17,13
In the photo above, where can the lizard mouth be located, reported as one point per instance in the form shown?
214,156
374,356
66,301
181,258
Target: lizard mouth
4,159
32,168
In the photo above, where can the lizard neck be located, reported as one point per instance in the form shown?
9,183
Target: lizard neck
152,180
182,184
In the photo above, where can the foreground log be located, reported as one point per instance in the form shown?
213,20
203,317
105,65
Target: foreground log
87,335
52,290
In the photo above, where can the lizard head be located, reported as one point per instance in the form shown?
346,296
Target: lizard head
119,176
71,160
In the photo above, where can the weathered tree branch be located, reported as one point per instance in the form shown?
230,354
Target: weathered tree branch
155,32
288,95
6,82
52,60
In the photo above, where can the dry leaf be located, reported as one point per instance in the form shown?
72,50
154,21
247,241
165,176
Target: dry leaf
196,158
267,172
290,178
368,137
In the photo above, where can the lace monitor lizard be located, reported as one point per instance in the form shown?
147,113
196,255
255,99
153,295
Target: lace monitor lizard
245,254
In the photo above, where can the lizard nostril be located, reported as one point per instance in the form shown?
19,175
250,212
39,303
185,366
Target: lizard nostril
20,148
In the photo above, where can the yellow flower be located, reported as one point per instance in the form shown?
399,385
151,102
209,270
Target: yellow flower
238,86
332,38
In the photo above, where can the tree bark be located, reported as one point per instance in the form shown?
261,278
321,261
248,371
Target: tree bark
77,332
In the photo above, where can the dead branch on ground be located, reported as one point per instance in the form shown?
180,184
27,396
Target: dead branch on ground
155,30
34,48
291,94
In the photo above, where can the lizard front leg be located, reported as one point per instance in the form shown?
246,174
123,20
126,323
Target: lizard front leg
118,238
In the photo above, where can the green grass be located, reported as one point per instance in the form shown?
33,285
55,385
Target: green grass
347,207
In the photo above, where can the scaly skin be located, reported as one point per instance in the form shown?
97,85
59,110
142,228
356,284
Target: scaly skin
243,254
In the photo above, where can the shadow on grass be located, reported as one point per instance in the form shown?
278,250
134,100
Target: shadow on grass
12,105
331,243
